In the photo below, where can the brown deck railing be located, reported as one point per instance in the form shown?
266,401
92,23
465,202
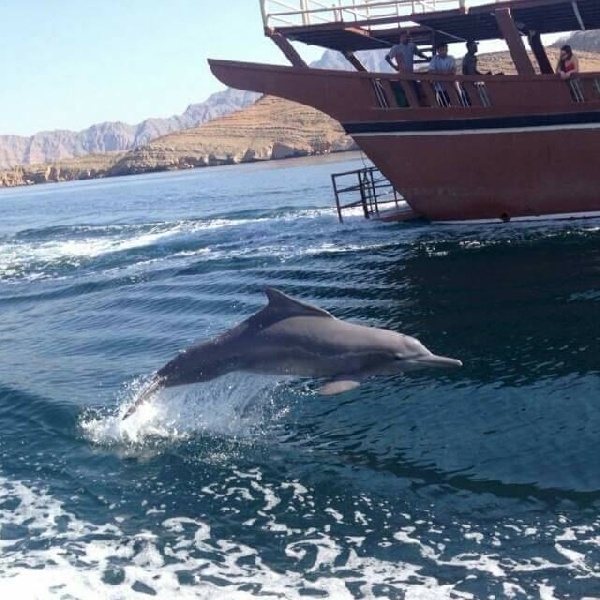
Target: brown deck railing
355,97
392,92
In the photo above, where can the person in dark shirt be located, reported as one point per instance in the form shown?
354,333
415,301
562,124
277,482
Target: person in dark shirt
469,65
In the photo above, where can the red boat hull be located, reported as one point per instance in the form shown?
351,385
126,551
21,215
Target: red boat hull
492,175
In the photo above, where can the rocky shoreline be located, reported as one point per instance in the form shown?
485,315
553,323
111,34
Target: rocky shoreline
92,166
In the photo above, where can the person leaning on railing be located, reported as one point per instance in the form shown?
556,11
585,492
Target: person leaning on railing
567,68
568,65
401,57
404,54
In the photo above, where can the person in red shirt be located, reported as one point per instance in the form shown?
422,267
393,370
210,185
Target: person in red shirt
568,64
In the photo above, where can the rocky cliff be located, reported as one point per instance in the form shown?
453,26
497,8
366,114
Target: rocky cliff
51,146
270,129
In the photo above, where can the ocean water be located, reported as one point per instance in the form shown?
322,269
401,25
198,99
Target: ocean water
480,482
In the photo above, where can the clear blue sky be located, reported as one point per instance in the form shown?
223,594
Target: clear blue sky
66,64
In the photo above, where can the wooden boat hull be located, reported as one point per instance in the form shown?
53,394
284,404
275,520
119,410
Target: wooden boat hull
532,150
492,175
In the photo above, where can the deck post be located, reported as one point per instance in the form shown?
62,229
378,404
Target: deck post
535,43
363,195
353,60
373,191
410,89
288,50
515,43
337,198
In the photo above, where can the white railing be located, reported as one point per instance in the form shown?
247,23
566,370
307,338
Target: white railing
290,13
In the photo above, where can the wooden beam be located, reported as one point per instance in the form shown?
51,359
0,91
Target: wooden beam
353,60
515,43
288,50
535,43
578,14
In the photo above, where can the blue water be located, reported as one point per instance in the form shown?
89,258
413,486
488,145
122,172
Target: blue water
481,482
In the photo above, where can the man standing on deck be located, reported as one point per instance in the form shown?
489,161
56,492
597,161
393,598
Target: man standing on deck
469,63
442,64
404,54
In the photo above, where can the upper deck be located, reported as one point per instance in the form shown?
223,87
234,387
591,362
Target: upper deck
294,13
352,25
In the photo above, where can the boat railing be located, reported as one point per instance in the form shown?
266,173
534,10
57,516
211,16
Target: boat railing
388,92
294,13
364,189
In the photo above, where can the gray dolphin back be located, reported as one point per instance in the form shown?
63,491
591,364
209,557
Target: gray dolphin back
233,349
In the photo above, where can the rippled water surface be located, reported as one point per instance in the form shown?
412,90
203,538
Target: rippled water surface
482,482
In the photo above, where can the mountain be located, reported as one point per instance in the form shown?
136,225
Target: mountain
53,146
272,128
116,136
588,41
373,60
50,146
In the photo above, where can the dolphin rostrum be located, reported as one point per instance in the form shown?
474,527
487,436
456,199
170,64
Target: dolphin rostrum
289,337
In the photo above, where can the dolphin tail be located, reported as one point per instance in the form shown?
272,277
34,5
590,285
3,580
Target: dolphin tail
155,384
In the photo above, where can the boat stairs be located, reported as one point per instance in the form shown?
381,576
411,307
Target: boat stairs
366,191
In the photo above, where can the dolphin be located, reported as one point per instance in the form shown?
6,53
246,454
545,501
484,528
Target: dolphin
290,337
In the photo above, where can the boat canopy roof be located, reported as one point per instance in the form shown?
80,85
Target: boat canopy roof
351,25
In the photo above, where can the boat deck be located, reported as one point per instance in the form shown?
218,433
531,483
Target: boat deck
352,25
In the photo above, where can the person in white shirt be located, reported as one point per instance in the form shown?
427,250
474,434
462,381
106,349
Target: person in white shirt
442,64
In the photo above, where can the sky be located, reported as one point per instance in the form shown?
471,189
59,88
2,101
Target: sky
67,64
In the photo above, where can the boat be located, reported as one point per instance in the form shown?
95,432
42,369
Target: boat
499,147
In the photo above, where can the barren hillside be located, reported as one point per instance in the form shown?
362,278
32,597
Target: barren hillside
270,129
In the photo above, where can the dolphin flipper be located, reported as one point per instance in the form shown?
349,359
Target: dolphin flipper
337,386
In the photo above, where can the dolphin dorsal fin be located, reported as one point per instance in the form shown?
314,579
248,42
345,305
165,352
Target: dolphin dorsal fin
283,303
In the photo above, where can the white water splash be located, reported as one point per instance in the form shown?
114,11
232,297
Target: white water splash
235,406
